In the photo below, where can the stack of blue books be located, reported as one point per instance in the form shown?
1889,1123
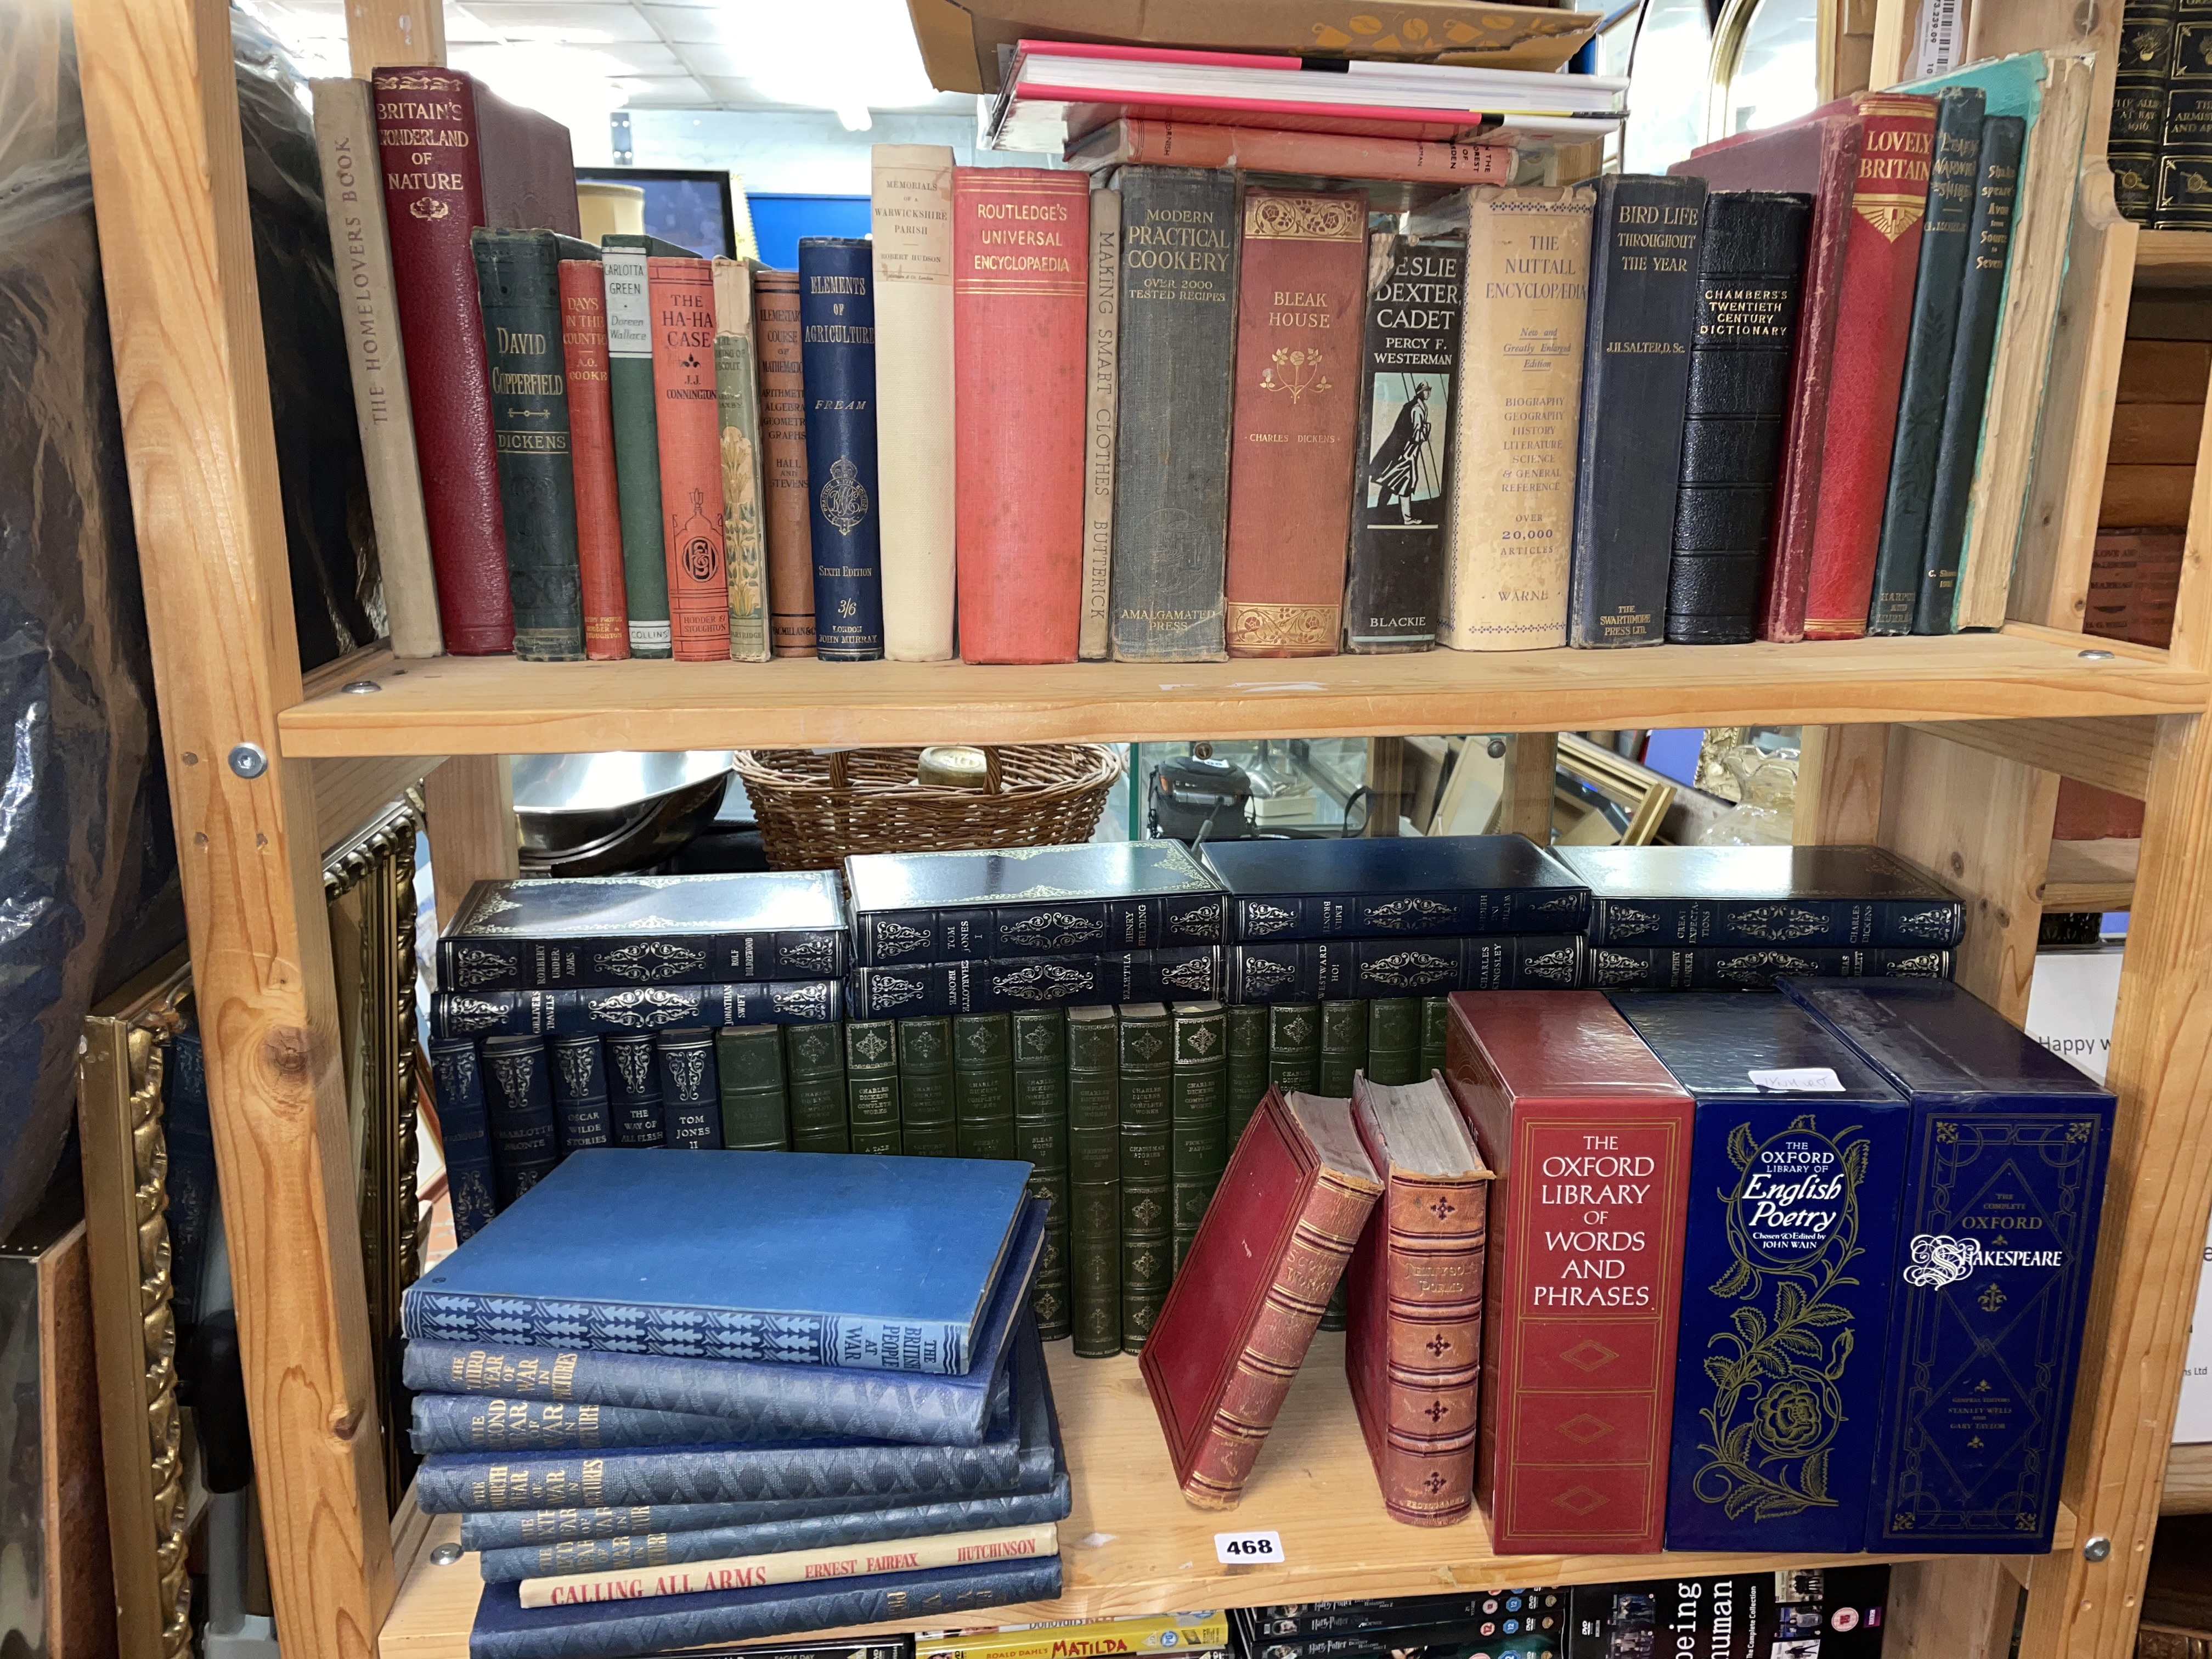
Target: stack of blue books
651,1375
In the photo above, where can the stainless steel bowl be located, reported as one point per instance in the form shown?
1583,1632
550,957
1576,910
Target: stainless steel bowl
584,815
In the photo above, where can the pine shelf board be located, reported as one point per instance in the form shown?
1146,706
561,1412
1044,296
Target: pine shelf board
498,705
2188,1481
2091,875
1132,1546
2173,258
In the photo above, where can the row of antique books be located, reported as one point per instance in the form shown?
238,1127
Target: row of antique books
2161,145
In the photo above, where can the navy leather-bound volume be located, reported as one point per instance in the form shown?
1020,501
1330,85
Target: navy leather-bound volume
1385,888
1797,897
466,1128
547,932
1936,296
1751,270
633,1089
486,1423
1179,973
635,1008
1031,900
518,1106
582,1115
691,1088
837,357
1336,968
1796,1164
1750,967
1645,244
2004,1182
193,1197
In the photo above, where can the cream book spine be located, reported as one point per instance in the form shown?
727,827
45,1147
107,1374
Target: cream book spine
1511,523
737,395
360,251
953,1549
1101,376
911,219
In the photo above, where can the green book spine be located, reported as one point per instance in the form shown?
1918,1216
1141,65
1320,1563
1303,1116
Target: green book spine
1147,1063
1333,1317
519,284
925,1064
1198,1138
1436,1021
1039,1038
814,1064
637,443
1247,1063
749,1068
872,1085
1093,1242
1393,1040
1040,1044
1294,1047
1094,1150
1343,1046
983,1085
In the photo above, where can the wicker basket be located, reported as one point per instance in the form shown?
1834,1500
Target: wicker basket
815,809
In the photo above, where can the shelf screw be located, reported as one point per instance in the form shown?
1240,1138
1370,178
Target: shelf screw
248,761
2094,656
2097,1549
445,1554
1496,748
361,688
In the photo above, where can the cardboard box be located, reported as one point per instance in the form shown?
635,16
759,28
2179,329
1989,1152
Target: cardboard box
960,38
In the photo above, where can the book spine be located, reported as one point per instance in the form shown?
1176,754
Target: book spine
428,214
911,218
1247,1066
521,1529
2141,64
872,1086
1790,923
1436,1021
1294,1047
641,1008
1294,420
1973,349
633,1089
191,1180
1874,312
1343,1045
2184,199
637,443
983,932
748,1073
928,1125
1747,292
467,1423
1145,1059
1003,985
582,1116
783,454
1197,1128
983,1084
1178,305
814,1059
690,1094
1750,968
1438,912
1102,331
1646,243
688,413
607,960
736,405
837,335
1094,1155
1393,1038
360,258
519,1109
1335,969
1944,241
1020,238
1135,141
592,454
1188,1633
1510,522
465,1126
1040,1088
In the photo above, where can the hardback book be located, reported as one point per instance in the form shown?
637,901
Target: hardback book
2140,65
2182,199
1094,1158
1512,507
1197,1119
646,1008
1239,1317
581,1115
1041,1140
1033,900
1394,1041
1944,241
1175,361
1589,1139
983,1086
463,1121
1146,1067
837,349
783,461
1797,897
1019,252
1436,1021
592,456
637,433
1752,967
1101,394
911,217
737,408
1408,366
1344,1048
633,1088
1385,888
690,1092
602,931
732,1261
360,258
687,416
497,165
814,1060
748,1073
1646,243
1300,971
1796,1166
1996,1235
1000,985
927,1121
524,1529
1749,275
1294,1048
872,1086
444,1423
1257,148
1294,417
519,1109
1413,1345
1247,1063
518,285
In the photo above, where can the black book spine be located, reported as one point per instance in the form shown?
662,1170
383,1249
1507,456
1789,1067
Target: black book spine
1794,922
1445,912
1409,364
633,1089
883,938
471,1178
640,1008
1973,345
1177,347
2184,200
1014,983
1645,252
838,353
472,963
519,1102
1945,236
581,1111
1750,271
1749,967
690,1090
1336,968
2140,69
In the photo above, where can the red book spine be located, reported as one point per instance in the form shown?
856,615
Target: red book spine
783,463
680,296
1301,298
1873,318
1020,241
592,457
426,135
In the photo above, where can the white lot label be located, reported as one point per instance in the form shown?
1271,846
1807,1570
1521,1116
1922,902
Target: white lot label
1244,1549
1811,1079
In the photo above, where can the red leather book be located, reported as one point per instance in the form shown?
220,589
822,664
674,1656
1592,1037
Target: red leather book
591,458
783,463
1020,287
680,295
1590,1138
1414,1346
1301,298
455,157
1244,1304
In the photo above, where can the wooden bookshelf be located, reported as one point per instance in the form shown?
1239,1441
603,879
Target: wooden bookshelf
2188,1481
2173,258
2091,875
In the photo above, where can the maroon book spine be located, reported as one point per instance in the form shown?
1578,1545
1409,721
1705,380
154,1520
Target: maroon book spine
592,455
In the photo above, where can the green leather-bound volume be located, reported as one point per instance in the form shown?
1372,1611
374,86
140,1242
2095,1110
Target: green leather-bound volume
1247,1063
814,1064
1394,1041
1334,1316
748,1069
1093,1039
1343,1045
1039,1043
1094,1232
1436,1021
637,436
872,1085
983,1084
1294,1047
1147,1058
1198,1140
925,1065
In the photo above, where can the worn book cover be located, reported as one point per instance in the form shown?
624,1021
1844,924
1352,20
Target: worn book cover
838,350
910,204
637,434
1101,395
689,419
737,400
783,458
592,454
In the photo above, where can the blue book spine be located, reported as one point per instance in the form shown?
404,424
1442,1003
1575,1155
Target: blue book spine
517,1529
460,1422
1178,974
581,1115
635,1008
633,1095
505,1629
1787,1251
1332,969
837,357
1748,967
189,1132
476,962
471,1178
1997,1234
518,1097
1796,923
691,1091
775,1537
1273,916
980,931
